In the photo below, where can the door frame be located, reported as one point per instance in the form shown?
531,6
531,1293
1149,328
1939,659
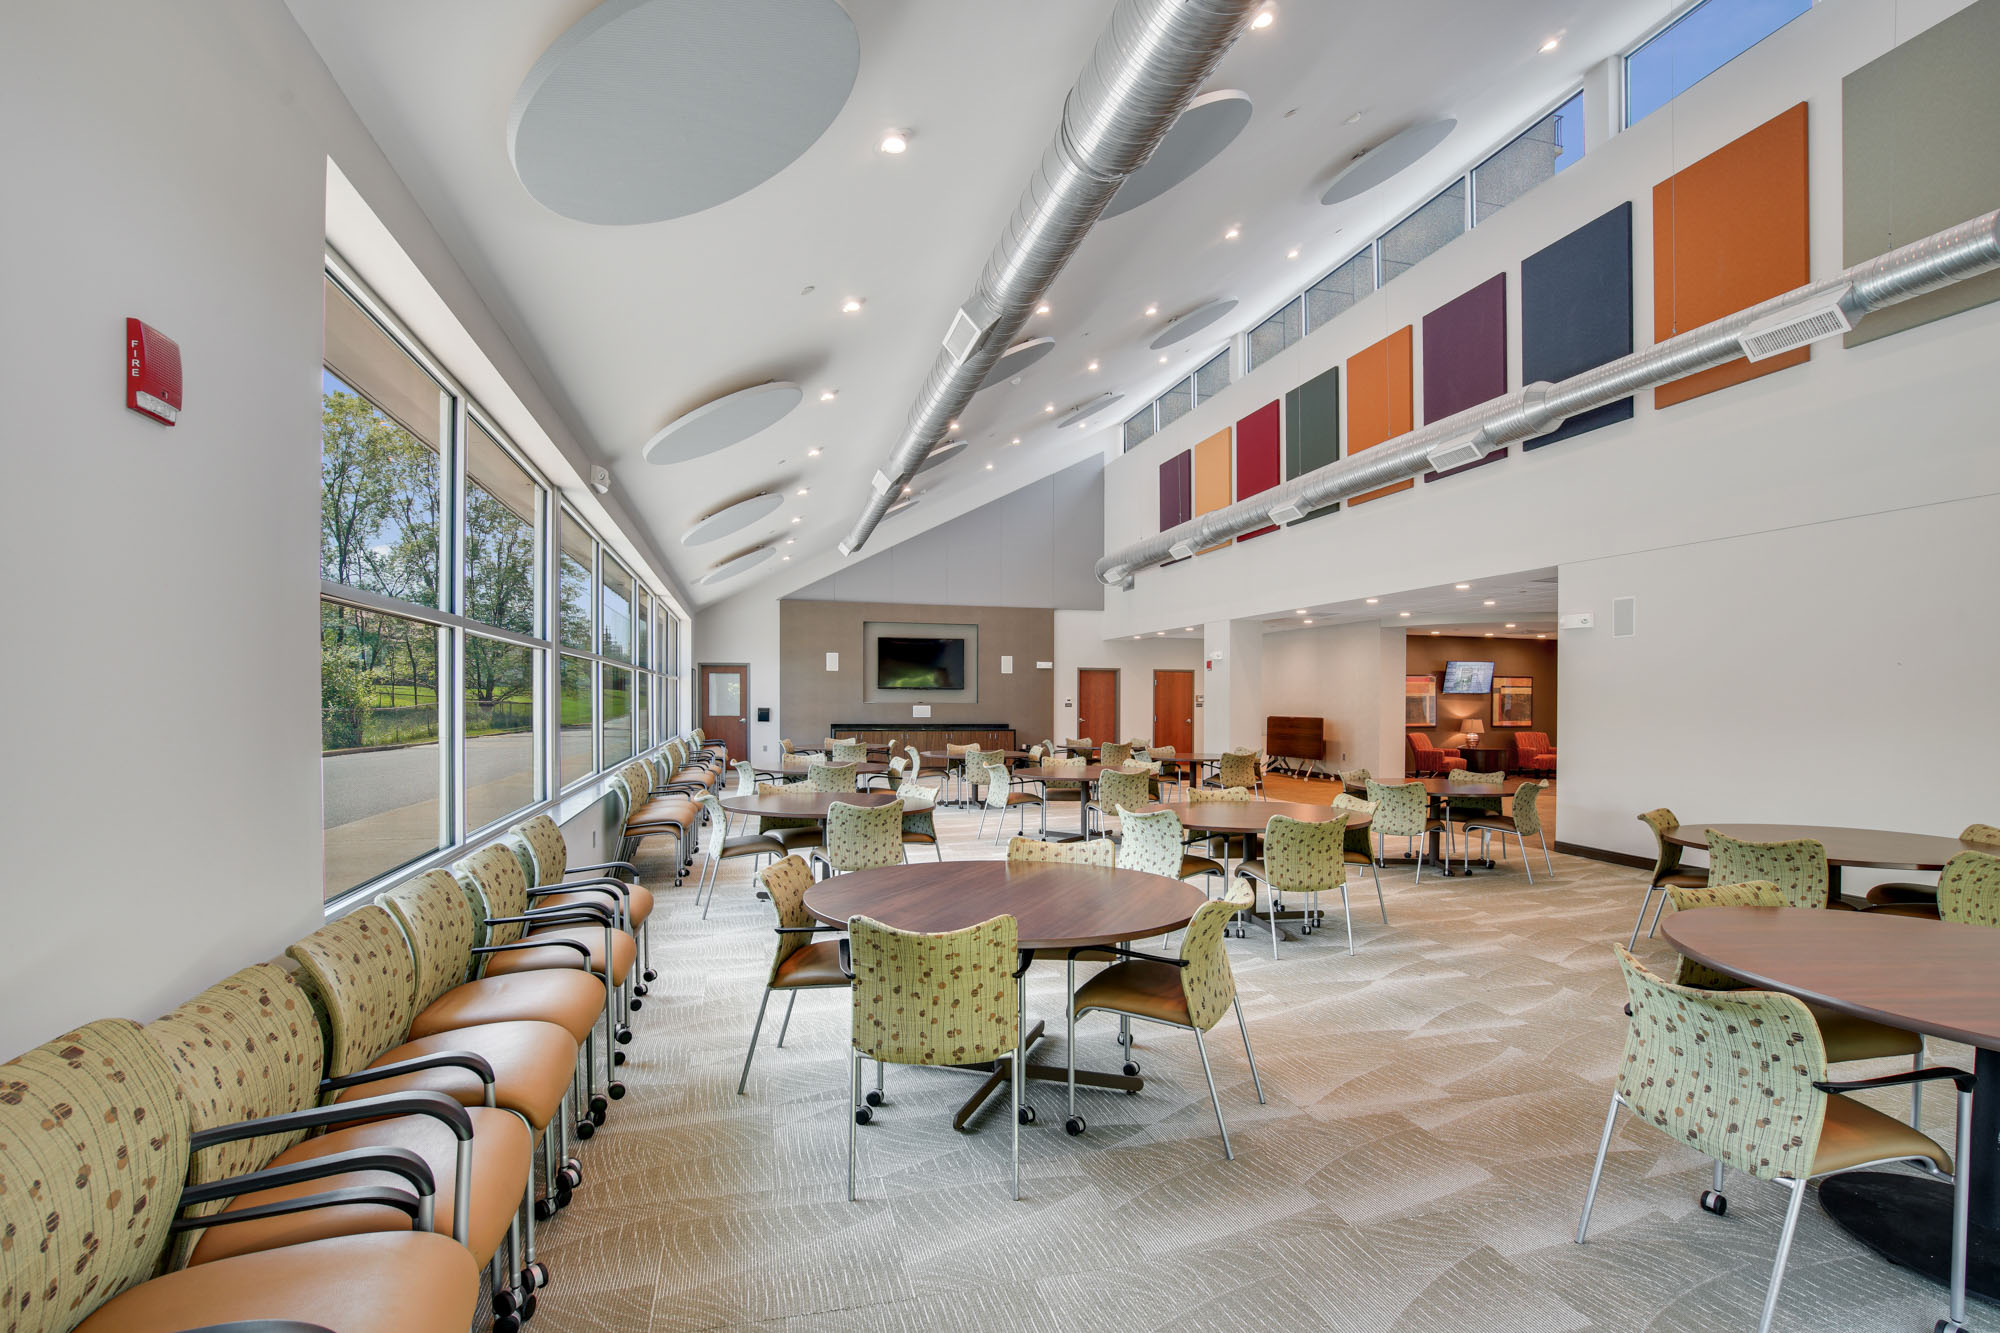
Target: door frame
1189,672
700,709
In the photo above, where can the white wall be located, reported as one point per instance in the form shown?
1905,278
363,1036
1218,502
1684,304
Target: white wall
1080,642
742,630
1831,674
1350,675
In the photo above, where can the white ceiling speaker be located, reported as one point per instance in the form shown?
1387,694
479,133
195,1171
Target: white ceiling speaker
944,453
1088,408
738,564
723,421
1393,155
732,518
1017,359
646,110
1210,123
1193,322
600,480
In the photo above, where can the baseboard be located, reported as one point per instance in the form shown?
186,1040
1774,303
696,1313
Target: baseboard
1601,854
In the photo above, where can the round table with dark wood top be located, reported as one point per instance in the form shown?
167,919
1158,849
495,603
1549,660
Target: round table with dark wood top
1441,792
1243,820
1940,978
861,770
1864,848
1088,774
1054,906
800,804
943,756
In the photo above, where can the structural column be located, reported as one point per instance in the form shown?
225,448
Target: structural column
1232,683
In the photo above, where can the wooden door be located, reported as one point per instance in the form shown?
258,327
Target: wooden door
1173,709
1097,704
724,704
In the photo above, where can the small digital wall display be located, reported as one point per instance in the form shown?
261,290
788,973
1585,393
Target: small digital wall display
920,664
1468,678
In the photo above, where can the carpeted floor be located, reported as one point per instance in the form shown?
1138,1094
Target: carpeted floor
1434,1103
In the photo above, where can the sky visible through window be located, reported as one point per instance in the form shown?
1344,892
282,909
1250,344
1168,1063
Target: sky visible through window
1699,43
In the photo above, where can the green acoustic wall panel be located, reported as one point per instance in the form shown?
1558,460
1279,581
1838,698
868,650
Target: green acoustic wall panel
1918,128
1312,429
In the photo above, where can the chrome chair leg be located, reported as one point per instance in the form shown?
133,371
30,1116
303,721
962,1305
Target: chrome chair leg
853,1114
1657,912
1542,834
1244,1028
1214,1098
1349,914
1798,1189
1597,1170
1644,903
751,1054
1961,1212
786,1026
1380,901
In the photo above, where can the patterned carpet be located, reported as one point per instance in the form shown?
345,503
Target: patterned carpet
1434,1103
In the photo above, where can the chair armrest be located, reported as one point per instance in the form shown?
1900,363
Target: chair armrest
591,887
397,1161
603,865
416,1065
805,930
569,915
1961,1078
623,887
433,1104
847,958
382,1195
1124,952
1027,957
577,945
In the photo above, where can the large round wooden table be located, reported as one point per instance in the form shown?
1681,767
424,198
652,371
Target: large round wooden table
1441,792
1940,978
1864,848
1054,906
799,804
1087,774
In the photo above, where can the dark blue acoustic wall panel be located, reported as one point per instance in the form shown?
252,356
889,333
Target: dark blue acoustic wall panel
1576,313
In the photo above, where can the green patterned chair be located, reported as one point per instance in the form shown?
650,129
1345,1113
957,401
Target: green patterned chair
1154,843
645,815
1192,990
247,1052
1116,789
1742,1077
1034,851
862,837
800,962
1303,857
1077,745
1524,822
791,835
831,777
950,999
544,855
95,1140
1402,810
1667,872
954,764
1969,889
718,846
1357,777
1359,849
1926,895
1060,791
1237,768
920,797
975,764
1798,867
1460,808
1002,796
1220,846
1114,753
848,753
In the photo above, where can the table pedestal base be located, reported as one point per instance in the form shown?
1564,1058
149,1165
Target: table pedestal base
997,1076
1907,1220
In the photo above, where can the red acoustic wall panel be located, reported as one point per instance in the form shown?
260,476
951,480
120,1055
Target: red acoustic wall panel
1259,461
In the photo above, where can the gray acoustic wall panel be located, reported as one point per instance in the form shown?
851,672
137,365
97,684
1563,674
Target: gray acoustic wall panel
1918,127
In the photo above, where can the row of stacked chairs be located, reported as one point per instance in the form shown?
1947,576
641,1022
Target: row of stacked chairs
355,1138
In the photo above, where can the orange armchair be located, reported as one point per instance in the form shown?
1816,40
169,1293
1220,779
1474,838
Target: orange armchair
1533,753
1427,760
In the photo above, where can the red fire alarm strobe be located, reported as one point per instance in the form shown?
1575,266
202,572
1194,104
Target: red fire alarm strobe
152,372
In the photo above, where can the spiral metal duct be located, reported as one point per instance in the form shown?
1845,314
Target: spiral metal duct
1939,260
1147,66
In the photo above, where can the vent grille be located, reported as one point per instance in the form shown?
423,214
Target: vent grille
1624,617
1794,328
1449,456
961,337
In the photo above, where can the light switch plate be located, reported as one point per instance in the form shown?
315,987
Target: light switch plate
833,661
1006,665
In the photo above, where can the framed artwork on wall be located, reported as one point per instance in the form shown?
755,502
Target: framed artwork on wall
1420,701
1513,701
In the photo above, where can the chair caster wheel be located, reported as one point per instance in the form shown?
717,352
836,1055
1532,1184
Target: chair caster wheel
617,1091
563,1195
568,1179
598,1106
1027,1115
624,1034
1074,1125
528,1307
1714,1203
536,1273
506,1323
637,1004
545,1208
874,1098
617,1058
651,974
1948,1326
862,1115
585,1127
640,988
1131,1069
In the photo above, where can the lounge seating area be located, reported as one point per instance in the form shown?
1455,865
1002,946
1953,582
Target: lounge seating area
1160,664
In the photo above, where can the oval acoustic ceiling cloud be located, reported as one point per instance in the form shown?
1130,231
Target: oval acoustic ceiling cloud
1210,123
732,518
1086,409
1193,322
723,421
1394,154
1017,359
944,453
646,110
738,564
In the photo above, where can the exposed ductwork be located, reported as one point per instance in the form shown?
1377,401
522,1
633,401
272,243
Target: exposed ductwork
1949,256
1145,69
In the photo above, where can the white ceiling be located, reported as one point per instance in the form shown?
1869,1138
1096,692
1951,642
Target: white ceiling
632,326
1510,606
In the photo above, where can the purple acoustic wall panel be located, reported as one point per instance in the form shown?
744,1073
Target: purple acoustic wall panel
1177,490
1465,357
1576,313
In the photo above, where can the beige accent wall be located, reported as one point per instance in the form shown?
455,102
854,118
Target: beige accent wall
1510,657
811,698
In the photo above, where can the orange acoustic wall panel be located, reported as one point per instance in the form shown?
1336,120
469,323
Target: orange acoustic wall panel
1211,477
1728,232
1380,404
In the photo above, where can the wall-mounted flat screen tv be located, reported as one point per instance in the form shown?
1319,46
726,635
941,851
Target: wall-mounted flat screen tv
1467,678
920,664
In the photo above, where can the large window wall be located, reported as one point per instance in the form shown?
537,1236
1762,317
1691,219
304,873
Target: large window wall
480,648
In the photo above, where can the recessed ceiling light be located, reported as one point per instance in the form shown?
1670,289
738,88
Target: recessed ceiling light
1354,119
1510,624
1265,18
1188,630
1402,613
1462,587
1308,622
850,305
1091,367
1151,311
812,453
894,142
1048,407
1490,602
1541,636
1159,634
1163,360
1551,44
989,467
790,540
1015,440
1138,636
1489,634
1437,631
784,557
1292,253
951,425
797,519
906,490
1232,233
804,491
828,395
1373,600
1042,309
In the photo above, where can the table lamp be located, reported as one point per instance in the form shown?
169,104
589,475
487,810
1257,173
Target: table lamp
1473,726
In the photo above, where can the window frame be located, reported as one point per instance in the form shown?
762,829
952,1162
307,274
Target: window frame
1660,29
1472,172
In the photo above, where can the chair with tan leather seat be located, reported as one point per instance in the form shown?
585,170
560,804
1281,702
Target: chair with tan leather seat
247,1052
1002,796
1402,810
544,855
717,846
1118,789
790,836
800,962
1523,821
1219,845
976,762
920,797
1667,870
1155,843
1797,867
1063,790
1927,894
100,1112
1302,857
1742,1076
1192,990
644,815
1236,768
1113,753
1359,849
437,921
861,837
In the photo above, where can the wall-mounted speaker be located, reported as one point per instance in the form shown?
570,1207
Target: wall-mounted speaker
1624,616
